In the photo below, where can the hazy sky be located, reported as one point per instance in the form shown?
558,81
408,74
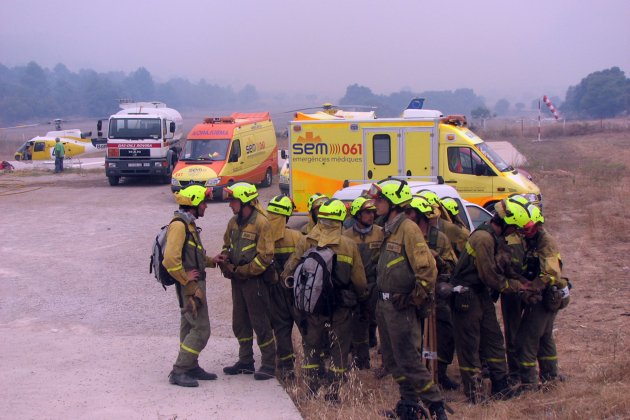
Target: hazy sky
499,48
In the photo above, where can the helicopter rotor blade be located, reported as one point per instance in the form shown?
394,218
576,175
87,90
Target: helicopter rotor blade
21,126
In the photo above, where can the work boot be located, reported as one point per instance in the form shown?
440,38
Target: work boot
380,372
410,410
182,379
502,391
362,364
437,411
332,397
200,374
238,367
264,373
286,373
445,382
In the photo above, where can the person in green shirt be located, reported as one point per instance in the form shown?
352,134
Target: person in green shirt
58,153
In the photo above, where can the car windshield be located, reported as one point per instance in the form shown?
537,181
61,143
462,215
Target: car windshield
205,149
493,157
135,128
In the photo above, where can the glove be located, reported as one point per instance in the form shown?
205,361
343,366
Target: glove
530,297
227,270
193,299
418,296
444,290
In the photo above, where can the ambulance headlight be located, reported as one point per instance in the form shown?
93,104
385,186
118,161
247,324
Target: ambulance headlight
175,182
212,182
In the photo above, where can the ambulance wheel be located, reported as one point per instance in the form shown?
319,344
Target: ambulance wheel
113,180
266,182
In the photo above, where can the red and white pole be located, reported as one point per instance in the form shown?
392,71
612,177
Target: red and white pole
551,107
539,120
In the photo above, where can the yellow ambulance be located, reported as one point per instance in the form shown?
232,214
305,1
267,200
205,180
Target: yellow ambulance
222,151
328,152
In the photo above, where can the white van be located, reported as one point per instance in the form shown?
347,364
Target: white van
471,214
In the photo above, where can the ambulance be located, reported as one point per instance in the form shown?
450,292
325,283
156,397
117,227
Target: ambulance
328,152
224,150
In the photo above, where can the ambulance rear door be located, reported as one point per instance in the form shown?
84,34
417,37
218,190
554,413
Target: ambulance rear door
382,153
419,151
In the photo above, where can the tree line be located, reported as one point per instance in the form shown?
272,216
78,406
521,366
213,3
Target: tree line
30,92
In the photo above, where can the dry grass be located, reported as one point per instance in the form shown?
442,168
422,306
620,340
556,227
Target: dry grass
585,189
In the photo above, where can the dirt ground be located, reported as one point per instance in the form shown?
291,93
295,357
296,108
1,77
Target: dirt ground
85,331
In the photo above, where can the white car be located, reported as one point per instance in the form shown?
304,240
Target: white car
471,214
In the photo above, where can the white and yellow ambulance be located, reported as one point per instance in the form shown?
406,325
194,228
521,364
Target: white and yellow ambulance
328,152
225,150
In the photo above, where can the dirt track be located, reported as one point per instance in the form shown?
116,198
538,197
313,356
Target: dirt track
85,331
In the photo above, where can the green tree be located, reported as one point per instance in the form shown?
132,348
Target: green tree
502,107
602,94
481,112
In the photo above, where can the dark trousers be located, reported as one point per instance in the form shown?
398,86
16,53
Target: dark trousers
512,312
193,335
477,331
444,327
535,343
58,164
250,299
324,330
283,315
401,335
361,328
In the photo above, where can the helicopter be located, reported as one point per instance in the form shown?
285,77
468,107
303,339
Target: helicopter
75,143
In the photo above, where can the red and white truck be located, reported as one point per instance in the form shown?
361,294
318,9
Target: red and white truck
142,140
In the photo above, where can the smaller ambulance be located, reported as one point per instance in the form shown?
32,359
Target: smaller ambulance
222,151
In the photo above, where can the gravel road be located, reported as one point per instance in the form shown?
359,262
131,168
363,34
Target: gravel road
85,331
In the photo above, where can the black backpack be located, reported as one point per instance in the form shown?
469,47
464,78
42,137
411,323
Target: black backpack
157,257
313,288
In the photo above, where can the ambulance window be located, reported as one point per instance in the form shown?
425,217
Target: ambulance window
463,160
381,145
39,146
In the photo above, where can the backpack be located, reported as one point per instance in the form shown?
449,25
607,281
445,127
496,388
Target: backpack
313,288
157,257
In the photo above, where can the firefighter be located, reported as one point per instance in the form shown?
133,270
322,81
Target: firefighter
248,254
281,309
456,233
186,260
475,325
534,339
350,287
313,204
452,207
368,238
421,213
406,275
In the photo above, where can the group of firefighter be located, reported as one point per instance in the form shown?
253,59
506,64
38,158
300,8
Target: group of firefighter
405,265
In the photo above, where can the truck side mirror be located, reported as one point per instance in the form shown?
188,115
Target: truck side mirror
283,154
171,127
99,125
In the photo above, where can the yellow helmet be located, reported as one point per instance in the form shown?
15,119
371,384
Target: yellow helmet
396,191
361,203
281,204
451,205
535,214
333,209
517,198
192,195
430,196
422,205
316,200
512,213
242,191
